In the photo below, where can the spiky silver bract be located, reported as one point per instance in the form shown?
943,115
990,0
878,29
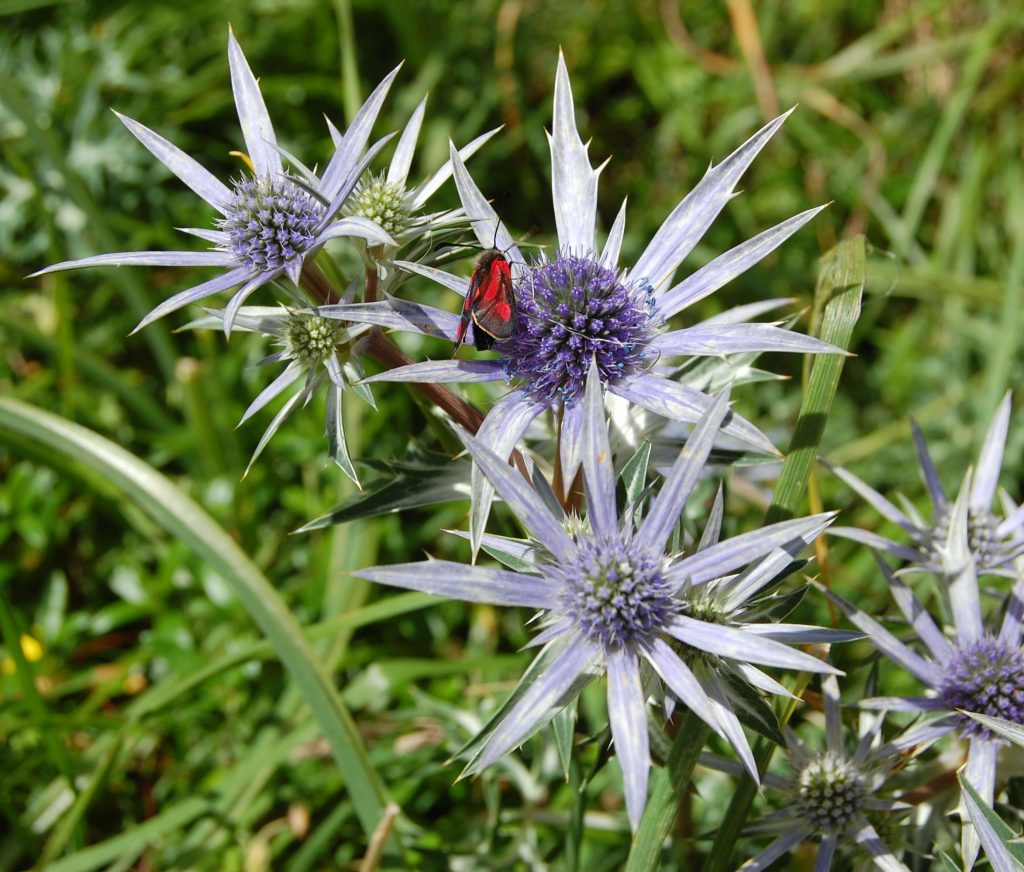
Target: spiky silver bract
995,537
317,352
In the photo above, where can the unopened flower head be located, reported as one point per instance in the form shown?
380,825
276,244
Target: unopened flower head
835,794
382,202
389,200
612,598
830,792
317,353
310,339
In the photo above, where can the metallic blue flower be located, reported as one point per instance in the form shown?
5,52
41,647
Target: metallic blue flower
270,224
581,304
994,541
571,310
978,666
613,599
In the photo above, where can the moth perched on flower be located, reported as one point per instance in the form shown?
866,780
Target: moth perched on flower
612,598
270,225
581,305
490,303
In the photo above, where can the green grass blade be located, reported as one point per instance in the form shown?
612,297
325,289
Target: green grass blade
350,90
1005,347
837,300
187,522
939,143
134,840
668,787
131,288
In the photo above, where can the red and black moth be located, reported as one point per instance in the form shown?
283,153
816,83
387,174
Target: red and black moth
490,302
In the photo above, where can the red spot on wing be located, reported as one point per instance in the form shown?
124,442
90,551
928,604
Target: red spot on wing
490,301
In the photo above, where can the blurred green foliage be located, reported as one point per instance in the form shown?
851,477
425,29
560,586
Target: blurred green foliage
909,120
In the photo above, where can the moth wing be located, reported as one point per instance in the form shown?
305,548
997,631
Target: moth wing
494,310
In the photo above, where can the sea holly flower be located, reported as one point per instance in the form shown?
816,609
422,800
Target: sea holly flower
976,667
316,351
833,794
387,199
270,224
582,305
994,541
614,601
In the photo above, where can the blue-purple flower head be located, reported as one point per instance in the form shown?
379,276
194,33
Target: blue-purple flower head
985,676
572,310
977,666
270,223
582,304
613,600
615,593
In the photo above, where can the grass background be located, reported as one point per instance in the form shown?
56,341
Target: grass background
909,120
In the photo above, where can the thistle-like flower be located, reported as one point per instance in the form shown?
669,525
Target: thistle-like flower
387,200
614,602
977,667
317,351
581,305
994,541
269,223
833,795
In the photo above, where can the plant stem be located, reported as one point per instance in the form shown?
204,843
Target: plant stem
668,787
370,292
317,285
383,350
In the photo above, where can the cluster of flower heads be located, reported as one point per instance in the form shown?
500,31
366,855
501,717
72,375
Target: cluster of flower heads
975,667
618,594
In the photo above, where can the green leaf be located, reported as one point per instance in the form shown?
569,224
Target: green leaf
186,522
948,863
753,710
134,840
509,560
1002,845
434,478
837,300
564,726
